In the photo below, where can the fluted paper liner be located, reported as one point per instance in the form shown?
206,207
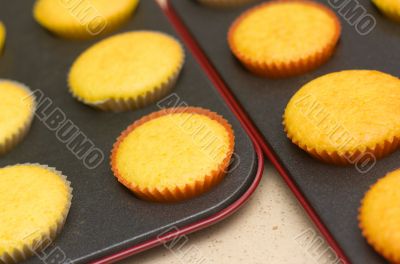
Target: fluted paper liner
378,151
290,67
393,257
188,190
12,140
24,251
132,103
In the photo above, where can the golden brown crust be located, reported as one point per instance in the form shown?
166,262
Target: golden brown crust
188,190
24,251
347,158
371,238
289,68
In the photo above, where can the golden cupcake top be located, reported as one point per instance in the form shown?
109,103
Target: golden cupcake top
34,202
126,66
173,151
82,19
345,112
2,36
284,33
16,109
379,216
390,8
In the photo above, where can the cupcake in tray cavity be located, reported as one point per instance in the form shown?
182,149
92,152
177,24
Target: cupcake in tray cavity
2,36
127,71
344,117
390,8
17,109
84,18
34,203
379,216
284,38
173,154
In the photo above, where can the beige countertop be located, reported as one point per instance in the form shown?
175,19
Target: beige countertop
271,228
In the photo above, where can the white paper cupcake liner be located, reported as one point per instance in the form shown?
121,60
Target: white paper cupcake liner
125,104
25,251
120,105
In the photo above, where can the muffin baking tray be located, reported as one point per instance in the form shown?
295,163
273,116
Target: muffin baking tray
106,221
330,194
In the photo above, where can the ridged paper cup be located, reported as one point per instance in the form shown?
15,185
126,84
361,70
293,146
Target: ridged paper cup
133,103
379,151
290,66
379,216
34,242
346,117
185,190
148,87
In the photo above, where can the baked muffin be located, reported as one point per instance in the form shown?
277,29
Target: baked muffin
17,109
34,203
391,8
343,116
2,36
284,38
127,71
379,216
173,154
82,19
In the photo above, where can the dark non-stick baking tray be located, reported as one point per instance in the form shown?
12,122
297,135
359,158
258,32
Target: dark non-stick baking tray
106,221
331,195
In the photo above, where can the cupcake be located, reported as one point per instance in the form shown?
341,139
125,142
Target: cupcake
173,154
17,109
379,216
2,36
284,38
127,71
224,3
390,8
344,116
82,19
34,203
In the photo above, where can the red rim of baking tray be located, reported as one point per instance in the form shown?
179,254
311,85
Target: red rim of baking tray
211,219
238,110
